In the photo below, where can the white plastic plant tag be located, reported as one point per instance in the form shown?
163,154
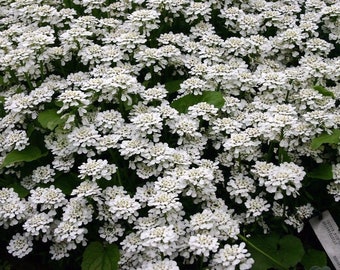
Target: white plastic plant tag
329,236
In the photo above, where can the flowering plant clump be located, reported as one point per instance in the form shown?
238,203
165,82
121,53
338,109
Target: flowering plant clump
159,134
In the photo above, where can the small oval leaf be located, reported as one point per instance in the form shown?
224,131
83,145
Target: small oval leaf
30,153
323,171
333,138
49,119
212,97
323,91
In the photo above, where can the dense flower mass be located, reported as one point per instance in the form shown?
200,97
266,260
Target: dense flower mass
165,127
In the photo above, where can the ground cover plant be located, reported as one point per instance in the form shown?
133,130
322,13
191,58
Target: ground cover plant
167,134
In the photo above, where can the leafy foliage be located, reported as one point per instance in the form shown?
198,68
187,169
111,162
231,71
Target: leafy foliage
323,171
173,85
49,119
272,251
212,97
30,153
322,90
333,138
100,257
314,258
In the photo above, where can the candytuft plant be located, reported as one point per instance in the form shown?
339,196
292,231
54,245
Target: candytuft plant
162,134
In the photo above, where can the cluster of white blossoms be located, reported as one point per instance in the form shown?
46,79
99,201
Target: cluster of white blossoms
166,127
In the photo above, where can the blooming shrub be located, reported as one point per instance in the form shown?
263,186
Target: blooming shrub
171,131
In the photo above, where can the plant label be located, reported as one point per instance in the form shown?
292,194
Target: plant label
328,234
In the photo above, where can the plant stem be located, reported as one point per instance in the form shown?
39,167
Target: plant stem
201,263
119,178
28,80
262,252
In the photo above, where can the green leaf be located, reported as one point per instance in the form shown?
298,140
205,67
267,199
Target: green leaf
271,251
323,171
283,155
30,129
323,91
99,257
314,257
212,97
30,153
315,267
333,138
173,86
67,182
49,119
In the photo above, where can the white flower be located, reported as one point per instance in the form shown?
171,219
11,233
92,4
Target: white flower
14,139
202,221
123,207
97,169
238,139
336,171
170,184
196,10
73,98
204,109
63,164
145,192
158,154
162,237
20,245
225,225
148,122
203,244
334,189
194,85
18,103
232,257
110,232
78,211
157,92
106,142
132,147
43,174
304,211
151,221
164,202
190,181
295,222
59,144
83,137
165,264
256,206
69,232
240,186
49,198
61,250
284,178
184,125
38,223
43,93
12,208
145,19
127,40
108,121
87,189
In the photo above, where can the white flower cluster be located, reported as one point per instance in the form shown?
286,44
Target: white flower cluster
285,178
166,127
334,187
